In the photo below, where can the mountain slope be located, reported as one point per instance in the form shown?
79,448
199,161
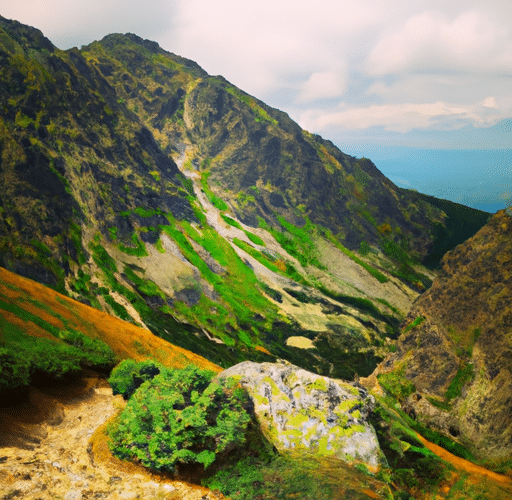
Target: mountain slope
457,347
138,184
29,308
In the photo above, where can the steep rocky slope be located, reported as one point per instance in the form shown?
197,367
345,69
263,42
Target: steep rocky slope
136,183
453,364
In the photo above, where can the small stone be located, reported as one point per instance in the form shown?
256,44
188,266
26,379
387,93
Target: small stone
73,495
128,495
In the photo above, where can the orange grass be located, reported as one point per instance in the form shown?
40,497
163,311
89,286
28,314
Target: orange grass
262,349
461,464
34,330
126,340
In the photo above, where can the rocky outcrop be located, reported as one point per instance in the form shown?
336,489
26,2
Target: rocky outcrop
460,356
298,410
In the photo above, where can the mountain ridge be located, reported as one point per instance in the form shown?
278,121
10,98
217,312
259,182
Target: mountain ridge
118,157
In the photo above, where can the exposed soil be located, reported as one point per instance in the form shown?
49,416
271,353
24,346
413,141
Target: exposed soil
51,446
477,472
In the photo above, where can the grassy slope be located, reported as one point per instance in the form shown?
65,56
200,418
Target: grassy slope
58,311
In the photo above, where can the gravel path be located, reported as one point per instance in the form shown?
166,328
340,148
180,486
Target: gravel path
56,459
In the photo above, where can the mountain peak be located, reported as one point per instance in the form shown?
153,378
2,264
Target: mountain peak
26,36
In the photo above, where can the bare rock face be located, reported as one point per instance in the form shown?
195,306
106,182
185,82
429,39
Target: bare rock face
298,410
460,355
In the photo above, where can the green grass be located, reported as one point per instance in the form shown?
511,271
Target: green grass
239,288
363,304
283,477
119,310
296,241
75,233
144,286
231,221
442,405
259,256
255,239
138,251
144,212
413,324
18,311
396,384
464,374
217,202
25,359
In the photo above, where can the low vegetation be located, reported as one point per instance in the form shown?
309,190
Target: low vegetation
26,360
177,417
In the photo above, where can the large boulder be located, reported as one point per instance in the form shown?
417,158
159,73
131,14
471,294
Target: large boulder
298,410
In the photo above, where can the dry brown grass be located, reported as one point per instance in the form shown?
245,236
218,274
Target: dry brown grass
127,340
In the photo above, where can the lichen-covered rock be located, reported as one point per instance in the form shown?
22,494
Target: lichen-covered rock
299,410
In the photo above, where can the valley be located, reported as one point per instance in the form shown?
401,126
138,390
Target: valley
152,212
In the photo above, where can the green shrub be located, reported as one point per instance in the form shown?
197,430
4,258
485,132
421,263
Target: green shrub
129,375
14,371
364,248
180,417
54,361
94,352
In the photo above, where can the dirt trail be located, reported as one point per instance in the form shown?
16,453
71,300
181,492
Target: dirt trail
466,466
55,458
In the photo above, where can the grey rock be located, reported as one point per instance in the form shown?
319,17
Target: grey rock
299,410
73,495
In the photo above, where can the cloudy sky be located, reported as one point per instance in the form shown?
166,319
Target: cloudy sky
422,88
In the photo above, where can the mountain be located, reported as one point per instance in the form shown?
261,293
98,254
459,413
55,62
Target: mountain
137,183
195,225
453,363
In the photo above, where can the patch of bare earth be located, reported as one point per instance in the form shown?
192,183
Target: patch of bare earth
52,447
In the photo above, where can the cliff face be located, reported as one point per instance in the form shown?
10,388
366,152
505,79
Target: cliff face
460,357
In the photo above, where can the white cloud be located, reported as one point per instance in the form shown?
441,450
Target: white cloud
325,84
398,117
430,41
489,102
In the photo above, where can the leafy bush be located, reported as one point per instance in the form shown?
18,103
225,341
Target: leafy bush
180,417
25,359
14,371
129,375
49,360
94,352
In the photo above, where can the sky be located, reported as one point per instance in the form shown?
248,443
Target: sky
423,88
